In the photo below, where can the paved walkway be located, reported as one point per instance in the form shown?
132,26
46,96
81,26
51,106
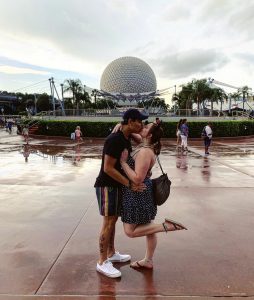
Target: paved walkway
49,224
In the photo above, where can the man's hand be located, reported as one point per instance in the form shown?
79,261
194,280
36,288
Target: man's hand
149,174
138,187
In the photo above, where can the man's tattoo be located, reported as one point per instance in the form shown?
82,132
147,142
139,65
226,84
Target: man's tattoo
111,240
102,239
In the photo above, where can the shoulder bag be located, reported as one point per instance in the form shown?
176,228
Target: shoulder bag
161,187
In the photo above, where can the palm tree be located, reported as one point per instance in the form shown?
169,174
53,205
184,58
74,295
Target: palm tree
75,87
185,96
201,91
245,91
236,96
215,95
218,94
196,91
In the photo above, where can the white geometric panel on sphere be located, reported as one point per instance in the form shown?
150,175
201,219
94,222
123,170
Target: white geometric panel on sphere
128,75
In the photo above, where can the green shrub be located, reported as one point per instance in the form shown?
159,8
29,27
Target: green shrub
102,129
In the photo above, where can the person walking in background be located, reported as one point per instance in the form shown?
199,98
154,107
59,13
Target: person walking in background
157,121
207,135
9,125
184,135
26,152
78,134
25,133
138,208
108,190
178,134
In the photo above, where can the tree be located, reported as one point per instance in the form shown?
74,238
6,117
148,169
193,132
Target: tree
155,102
25,101
43,102
201,91
184,98
104,104
83,99
217,94
75,87
245,92
197,91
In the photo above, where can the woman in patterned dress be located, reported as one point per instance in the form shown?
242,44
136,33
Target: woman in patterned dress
138,208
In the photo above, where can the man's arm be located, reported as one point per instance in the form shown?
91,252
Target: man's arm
109,169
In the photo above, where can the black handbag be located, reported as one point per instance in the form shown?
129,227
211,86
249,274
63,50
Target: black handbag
161,187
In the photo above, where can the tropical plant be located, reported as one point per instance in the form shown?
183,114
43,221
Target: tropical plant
245,93
75,87
217,94
43,102
201,91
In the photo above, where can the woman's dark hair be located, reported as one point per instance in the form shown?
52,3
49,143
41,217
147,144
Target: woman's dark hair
157,132
179,124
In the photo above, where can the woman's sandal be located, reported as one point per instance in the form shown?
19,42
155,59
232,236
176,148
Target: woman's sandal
177,225
137,265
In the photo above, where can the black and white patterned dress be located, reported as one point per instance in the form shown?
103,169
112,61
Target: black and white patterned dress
138,207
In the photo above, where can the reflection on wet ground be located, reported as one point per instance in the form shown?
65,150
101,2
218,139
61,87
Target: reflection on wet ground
49,222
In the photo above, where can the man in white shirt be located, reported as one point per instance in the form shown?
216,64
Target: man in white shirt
207,134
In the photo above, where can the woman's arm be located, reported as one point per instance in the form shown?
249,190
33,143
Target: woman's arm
143,161
137,138
117,128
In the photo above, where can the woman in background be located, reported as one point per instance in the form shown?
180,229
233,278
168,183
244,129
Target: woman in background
184,135
178,133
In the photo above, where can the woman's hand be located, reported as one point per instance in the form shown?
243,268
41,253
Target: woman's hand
124,156
138,187
117,128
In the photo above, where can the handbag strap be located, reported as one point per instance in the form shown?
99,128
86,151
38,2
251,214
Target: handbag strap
160,164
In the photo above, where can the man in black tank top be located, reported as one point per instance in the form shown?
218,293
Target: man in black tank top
108,184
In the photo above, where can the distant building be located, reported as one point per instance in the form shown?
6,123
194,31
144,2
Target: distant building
8,103
127,81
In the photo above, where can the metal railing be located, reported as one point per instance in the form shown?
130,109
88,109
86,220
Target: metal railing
180,113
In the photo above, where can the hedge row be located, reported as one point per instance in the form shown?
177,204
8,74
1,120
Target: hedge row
102,129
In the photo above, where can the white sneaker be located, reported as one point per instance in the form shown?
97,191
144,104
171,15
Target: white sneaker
117,257
108,270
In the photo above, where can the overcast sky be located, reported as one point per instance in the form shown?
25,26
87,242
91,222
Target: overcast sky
179,39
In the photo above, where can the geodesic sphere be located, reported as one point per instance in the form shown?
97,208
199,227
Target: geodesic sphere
128,75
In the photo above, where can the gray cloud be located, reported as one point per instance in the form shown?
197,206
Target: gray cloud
191,62
247,57
61,34
242,20
176,12
233,17
81,28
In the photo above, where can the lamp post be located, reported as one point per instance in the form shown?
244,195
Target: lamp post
229,103
175,100
62,94
35,104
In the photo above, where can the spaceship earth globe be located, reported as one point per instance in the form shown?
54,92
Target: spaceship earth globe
128,75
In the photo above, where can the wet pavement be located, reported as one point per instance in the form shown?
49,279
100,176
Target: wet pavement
49,223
